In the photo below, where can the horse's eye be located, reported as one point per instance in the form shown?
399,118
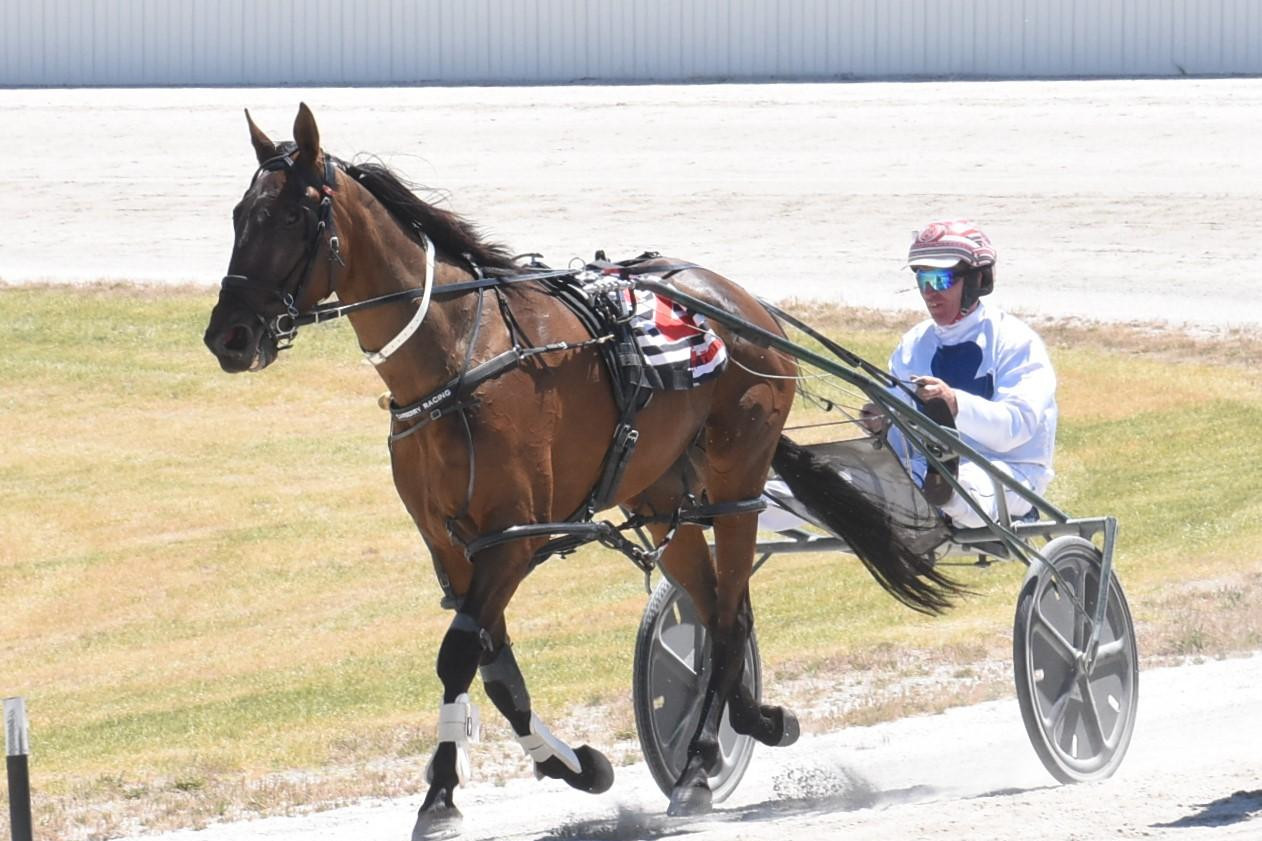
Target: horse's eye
291,218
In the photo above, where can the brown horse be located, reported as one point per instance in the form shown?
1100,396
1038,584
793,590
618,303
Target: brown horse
503,417
529,450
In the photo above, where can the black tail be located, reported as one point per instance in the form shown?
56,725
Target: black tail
909,576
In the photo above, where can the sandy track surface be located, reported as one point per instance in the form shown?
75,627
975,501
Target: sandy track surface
1194,771
1117,200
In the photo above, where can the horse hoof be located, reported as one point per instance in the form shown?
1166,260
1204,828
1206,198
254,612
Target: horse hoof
789,729
439,824
689,800
597,774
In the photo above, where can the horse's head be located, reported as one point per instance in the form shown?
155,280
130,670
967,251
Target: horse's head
281,226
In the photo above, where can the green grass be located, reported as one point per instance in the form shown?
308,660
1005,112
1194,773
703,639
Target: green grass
209,578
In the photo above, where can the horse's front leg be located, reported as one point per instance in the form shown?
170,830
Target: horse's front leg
458,656
485,589
477,639
583,768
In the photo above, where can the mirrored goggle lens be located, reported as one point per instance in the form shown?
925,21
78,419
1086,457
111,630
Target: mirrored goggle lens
939,280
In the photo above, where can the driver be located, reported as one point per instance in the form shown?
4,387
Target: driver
990,370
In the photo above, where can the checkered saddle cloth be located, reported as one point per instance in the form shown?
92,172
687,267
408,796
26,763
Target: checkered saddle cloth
676,344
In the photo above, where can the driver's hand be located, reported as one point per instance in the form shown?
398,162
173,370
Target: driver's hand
873,419
930,388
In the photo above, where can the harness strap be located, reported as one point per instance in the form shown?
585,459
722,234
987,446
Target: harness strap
572,534
329,312
704,515
380,356
451,397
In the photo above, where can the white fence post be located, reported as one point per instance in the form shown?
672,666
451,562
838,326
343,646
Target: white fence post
17,744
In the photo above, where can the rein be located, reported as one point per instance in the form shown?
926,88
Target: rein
329,312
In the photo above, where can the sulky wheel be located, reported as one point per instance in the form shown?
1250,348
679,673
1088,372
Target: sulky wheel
1079,711
671,651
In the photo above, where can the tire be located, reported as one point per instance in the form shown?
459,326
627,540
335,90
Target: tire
668,682
1079,718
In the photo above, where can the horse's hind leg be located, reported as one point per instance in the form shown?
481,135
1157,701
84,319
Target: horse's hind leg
740,443
771,725
728,635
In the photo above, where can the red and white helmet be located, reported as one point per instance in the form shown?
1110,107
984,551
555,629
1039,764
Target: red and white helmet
941,245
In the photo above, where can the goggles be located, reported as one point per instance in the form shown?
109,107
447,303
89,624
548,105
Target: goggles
939,280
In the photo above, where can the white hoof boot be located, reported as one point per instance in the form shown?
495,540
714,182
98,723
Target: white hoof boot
542,745
458,723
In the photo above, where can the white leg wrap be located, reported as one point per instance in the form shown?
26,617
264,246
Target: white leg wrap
542,745
458,723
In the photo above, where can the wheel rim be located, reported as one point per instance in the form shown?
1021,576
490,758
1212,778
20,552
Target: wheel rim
677,675
1084,707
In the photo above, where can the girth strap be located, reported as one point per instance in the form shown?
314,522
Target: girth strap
569,536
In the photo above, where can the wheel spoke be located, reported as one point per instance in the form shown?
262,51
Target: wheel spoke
1091,717
1056,713
1053,636
675,665
1066,736
1110,654
677,740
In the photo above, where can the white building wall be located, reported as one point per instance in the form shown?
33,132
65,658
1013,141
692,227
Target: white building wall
269,42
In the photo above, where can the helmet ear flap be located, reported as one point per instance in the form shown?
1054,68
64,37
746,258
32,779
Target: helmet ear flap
976,284
986,280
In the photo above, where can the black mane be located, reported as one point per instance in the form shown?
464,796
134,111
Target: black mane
451,233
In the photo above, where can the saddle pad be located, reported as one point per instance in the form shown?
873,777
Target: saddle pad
675,342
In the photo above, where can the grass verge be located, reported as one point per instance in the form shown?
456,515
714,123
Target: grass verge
216,605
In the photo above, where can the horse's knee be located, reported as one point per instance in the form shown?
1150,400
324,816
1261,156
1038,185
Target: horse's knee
463,645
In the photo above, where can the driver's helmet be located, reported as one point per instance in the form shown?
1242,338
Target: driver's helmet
943,245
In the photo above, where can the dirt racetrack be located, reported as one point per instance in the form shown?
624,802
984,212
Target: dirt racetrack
1118,200
1193,773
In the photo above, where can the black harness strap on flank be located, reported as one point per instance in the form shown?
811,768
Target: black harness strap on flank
704,514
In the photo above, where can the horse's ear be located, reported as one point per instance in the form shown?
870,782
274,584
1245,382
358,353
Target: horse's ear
307,136
264,148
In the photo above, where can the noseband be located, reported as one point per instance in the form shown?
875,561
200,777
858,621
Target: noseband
284,327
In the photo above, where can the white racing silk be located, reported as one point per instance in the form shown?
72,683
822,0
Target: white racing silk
1004,385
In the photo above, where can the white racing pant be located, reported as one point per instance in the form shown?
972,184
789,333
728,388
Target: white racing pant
981,488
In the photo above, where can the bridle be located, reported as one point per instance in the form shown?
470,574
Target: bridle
284,327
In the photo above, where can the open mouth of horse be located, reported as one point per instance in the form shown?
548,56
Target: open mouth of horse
241,347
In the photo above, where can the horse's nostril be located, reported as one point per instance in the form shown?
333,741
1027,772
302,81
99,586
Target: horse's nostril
238,338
